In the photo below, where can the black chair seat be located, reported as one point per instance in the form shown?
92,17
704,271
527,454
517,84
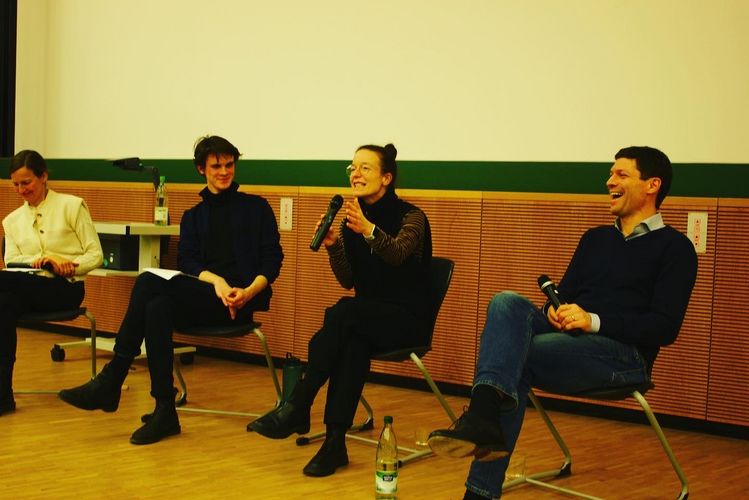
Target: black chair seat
402,354
235,330
42,317
616,393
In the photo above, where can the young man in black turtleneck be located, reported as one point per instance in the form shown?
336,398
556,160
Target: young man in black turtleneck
230,242
624,296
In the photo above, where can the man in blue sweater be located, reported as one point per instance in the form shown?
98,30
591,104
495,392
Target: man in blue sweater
624,295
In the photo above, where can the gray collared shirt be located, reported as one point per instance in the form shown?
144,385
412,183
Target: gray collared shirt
652,223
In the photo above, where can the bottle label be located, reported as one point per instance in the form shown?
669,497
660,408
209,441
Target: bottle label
386,481
160,215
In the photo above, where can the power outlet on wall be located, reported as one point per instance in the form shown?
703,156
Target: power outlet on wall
287,214
697,230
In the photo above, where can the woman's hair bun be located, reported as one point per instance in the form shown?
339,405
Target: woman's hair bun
390,151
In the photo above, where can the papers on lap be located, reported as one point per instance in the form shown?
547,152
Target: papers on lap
23,269
166,274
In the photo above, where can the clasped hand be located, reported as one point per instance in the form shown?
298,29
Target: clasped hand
569,317
234,298
60,266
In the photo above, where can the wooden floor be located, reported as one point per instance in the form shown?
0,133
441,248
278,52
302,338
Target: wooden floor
51,450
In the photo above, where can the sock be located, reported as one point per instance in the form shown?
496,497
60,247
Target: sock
486,401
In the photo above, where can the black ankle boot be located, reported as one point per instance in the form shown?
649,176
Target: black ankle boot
162,423
101,393
282,422
7,403
332,454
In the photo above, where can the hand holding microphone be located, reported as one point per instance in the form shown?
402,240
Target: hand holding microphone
569,318
333,207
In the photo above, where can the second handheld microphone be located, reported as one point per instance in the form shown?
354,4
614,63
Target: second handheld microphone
333,207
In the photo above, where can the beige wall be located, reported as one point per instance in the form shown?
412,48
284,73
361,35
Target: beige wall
443,79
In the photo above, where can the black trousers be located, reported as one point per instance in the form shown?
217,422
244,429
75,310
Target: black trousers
158,306
22,293
353,330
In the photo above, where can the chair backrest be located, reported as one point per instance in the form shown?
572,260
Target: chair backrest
442,274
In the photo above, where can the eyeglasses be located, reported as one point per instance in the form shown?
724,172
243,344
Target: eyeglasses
363,169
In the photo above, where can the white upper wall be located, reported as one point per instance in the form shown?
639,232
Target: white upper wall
546,80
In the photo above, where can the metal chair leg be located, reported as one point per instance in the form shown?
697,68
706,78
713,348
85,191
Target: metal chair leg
684,493
274,378
566,468
563,471
411,454
92,323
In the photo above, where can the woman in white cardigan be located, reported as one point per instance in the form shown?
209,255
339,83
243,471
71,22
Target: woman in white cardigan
53,237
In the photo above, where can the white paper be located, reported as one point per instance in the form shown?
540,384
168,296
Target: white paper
166,274
23,269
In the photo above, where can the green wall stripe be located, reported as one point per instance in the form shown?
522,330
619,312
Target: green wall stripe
717,180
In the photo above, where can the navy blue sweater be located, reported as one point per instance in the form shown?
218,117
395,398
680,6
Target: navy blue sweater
257,249
640,287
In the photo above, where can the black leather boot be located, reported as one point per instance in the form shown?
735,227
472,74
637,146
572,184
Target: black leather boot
162,423
282,421
332,454
101,393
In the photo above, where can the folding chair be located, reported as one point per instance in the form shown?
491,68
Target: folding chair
442,270
615,394
228,331
32,319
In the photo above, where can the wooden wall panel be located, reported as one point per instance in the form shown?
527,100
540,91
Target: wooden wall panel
728,398
499,241
682,369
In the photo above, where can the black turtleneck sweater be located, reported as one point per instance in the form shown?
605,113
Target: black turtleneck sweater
394,266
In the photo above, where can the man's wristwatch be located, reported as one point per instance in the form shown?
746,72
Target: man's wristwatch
370,237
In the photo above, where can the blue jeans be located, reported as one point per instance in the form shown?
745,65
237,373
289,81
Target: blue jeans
519,349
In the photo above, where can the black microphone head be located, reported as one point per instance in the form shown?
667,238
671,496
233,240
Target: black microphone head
336,202
543,281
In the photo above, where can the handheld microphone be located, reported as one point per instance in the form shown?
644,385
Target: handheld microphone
335,205
550,290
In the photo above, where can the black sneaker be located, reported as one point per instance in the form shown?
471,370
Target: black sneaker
470,436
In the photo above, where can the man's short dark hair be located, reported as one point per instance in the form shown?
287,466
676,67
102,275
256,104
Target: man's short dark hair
651,163
214,145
